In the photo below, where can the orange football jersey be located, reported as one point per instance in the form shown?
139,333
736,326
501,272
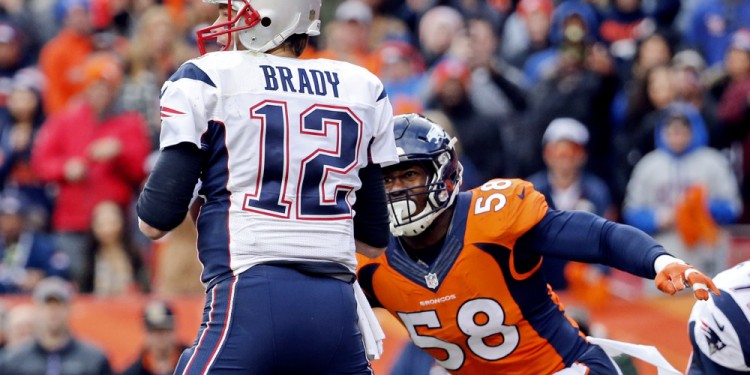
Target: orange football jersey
482,307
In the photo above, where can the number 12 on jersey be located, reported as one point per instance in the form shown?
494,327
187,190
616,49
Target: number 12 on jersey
317,198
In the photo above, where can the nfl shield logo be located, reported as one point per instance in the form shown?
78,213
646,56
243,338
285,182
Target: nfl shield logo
431,280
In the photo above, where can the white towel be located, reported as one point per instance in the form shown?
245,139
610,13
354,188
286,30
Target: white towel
372,334
648,354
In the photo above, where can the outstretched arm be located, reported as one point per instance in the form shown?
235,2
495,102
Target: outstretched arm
585,237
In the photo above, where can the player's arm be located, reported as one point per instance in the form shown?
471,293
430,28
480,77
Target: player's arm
371,230
585,237
165,199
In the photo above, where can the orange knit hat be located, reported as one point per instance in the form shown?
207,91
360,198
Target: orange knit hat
103,67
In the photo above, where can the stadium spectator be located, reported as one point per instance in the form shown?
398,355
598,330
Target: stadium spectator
14,57
652,50
568,186
155,51
711,25
62,58
574,28
480,134
565,182
401,68
632,103
20,125
54,349
583,89
161,350
437,28
688,70
348,36
18,326
93,151
176,271
412,11
733,92
646,107
26,255
118,268
497,88
683,191
624,23
526,31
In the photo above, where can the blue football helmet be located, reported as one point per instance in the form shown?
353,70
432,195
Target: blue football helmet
419,140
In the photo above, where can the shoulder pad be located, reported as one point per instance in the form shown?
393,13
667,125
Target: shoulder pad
506,209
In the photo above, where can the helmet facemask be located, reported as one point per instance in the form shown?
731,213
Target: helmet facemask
239,19
442,186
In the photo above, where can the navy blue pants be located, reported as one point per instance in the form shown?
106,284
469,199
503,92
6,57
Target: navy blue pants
277,320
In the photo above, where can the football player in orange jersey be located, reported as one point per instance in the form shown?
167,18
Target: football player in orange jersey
461,271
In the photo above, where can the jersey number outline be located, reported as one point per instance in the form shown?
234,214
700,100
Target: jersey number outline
483,206
317,200
476,333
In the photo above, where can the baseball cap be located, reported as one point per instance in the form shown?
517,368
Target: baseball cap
451,69
8,32
566,129
158,315
11,205
103,67
689,59
354,10
53,288
741,40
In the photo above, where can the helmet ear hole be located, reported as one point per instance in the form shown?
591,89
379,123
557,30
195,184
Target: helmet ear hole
265,21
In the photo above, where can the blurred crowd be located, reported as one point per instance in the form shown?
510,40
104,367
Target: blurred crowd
636,110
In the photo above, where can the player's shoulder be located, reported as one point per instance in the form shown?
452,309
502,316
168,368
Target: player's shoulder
506,207
196,69
512,191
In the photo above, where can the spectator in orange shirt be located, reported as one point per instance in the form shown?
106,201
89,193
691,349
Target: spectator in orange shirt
347,38
92,151
63,56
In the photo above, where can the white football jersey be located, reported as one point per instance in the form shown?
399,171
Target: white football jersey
285,139
722,324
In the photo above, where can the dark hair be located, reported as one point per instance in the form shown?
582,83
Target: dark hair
678,118
297,43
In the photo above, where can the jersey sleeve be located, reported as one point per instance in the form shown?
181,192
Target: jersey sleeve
383,147
188,102
503,210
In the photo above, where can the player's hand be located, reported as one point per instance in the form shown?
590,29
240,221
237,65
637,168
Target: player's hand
677,276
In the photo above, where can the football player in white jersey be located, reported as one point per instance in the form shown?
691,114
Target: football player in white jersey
719,328
288,155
